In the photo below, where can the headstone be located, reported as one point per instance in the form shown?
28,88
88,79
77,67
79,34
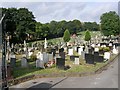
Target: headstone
12,60
83,54
98,58
80,50
70,51
77,62
60,63
50,57
24,62
89,58
86,50
114,51
62,54
39,64
107,55
45,57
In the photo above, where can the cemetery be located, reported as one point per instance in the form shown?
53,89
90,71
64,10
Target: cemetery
44,59
55,49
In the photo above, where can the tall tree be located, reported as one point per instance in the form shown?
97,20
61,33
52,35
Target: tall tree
66,36
87,35
110,23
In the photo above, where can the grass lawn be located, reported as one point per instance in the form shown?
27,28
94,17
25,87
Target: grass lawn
31,70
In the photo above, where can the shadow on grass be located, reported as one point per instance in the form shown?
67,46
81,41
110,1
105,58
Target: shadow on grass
19,71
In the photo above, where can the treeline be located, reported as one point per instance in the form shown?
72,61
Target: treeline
21,25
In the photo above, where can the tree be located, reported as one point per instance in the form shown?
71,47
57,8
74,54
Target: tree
110,23
19,23
87,36
66,36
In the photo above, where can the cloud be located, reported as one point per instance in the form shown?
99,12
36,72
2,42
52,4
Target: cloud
48,11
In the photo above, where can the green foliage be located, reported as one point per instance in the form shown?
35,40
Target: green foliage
105,49
110,23
92,26
33,57
66,36
87,36
19,23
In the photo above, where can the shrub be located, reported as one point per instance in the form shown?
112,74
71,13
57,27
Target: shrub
33,57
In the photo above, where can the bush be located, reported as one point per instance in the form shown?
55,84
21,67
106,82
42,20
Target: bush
87,36
105,49
66,36
33,57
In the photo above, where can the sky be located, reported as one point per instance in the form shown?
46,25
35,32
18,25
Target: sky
84,11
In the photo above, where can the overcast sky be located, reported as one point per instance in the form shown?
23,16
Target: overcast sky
84,11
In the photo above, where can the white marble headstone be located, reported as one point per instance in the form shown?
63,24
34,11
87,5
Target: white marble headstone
114,51
80,50
77,61
110,44
70,51
107,55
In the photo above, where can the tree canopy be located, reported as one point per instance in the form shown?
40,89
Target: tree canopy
110,23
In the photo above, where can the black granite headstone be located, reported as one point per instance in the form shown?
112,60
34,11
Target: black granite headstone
98,58
89,58
60,63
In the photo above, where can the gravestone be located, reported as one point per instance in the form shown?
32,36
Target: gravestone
114,51
39,64
89,58
24,62
86,50
107,55
98,58
77,62
61,50
54,51
50,57
62,55
12,60
70,51
83,54
45,57
80,50
60,63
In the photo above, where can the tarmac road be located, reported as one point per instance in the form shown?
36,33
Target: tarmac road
107,79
